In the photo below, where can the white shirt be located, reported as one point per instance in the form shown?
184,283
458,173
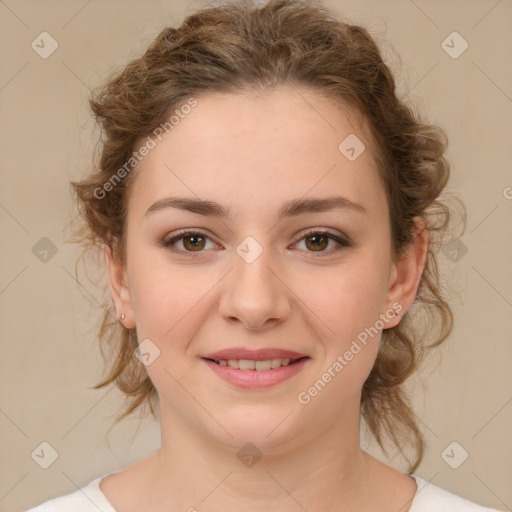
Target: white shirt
428,498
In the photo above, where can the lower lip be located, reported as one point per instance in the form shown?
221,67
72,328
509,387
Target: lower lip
255,379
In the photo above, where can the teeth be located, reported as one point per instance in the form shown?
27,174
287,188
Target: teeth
263,365
246,364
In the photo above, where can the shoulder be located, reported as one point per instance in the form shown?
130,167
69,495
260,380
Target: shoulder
87,499
430,497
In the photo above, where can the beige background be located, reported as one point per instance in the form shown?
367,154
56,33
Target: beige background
48,321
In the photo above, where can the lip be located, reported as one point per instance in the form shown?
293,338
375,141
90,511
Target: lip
253,355
256,379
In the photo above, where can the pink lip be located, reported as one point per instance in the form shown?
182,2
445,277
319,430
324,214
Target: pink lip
253,355
254,379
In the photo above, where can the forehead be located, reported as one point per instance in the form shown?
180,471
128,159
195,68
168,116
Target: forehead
257,147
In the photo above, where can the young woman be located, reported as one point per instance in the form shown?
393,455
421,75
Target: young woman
269,211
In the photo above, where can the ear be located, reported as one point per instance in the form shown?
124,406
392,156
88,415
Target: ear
119,289
406,273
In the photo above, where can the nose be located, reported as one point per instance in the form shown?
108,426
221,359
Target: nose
255,294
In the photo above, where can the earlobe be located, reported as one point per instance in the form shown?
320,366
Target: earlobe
119,290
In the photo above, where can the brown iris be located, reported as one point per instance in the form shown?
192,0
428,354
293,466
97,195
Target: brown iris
317,245
198,242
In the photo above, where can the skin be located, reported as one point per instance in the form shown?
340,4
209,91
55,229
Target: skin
251,153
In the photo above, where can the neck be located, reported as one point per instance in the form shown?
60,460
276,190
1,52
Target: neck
194,471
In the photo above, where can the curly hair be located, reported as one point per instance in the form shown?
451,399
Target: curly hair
238,46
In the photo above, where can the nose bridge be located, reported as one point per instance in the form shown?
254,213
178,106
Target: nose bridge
254,295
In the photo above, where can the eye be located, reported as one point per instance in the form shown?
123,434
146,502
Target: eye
192,241
318,241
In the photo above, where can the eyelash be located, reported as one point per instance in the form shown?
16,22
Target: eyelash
343,242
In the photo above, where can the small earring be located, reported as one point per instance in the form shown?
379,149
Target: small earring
122,316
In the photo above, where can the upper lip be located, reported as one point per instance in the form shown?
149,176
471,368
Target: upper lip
253,355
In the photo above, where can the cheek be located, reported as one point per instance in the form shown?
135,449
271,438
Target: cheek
347,302
167,302
170,308
171,302
348,306
345,299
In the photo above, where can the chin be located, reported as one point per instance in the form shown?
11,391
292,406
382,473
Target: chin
267,428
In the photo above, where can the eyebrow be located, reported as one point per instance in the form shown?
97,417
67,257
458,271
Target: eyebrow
291,208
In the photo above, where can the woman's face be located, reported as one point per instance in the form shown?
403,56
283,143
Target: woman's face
259,282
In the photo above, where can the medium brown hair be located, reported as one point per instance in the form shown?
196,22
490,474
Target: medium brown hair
239,46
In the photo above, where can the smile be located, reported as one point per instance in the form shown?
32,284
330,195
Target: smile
252,374
248,364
